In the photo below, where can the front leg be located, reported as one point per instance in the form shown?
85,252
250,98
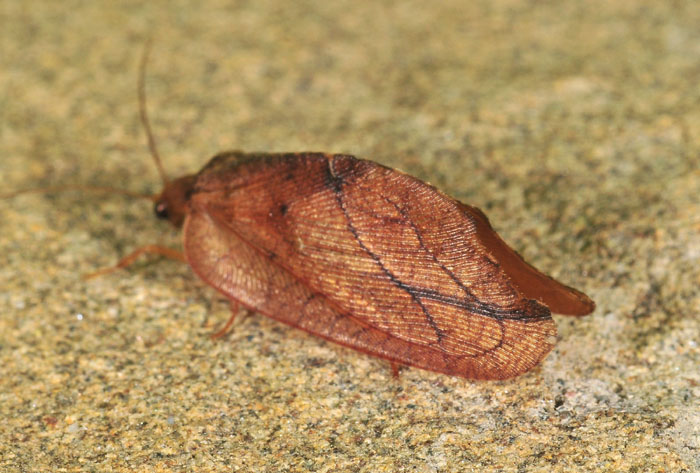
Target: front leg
133,256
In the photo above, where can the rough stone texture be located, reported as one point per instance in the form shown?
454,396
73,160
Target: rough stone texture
574,125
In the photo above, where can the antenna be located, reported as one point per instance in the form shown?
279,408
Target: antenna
151,145
105,189
144,112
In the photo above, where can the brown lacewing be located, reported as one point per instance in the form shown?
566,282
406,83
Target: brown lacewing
364,256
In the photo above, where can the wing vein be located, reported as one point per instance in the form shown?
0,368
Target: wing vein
411,291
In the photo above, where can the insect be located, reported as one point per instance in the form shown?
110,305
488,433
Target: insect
364,256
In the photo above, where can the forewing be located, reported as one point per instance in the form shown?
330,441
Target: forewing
390,251
244,274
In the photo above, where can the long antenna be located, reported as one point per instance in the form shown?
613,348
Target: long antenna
105,189
144,113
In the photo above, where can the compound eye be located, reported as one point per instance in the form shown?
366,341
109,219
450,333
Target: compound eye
161,210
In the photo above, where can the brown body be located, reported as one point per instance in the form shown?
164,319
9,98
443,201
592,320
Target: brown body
370,258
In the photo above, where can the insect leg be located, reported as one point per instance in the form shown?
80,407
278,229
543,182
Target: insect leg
395,369
130,258
234,311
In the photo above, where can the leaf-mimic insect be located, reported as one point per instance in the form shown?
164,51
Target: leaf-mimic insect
364,256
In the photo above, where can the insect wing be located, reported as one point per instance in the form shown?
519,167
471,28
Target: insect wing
242,273
383,249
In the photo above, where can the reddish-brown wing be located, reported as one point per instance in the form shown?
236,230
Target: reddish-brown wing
368,257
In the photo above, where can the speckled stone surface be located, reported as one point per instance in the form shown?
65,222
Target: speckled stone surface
574,125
